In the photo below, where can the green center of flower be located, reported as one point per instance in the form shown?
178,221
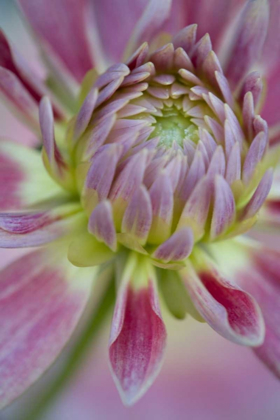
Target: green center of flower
173,126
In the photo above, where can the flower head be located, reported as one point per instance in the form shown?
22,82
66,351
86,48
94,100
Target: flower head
164,161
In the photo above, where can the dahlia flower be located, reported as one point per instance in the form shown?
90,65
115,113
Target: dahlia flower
154,168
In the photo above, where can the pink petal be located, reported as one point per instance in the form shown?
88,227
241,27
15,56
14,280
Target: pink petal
62,25
102,171
270,108
262,280
155,14
177,247
224,207
252,83
229,310
137,218
85,113
18,96
101,224
211,16
41,303
186,38
254,155
137,339
26,78
20,230
249,40
259,195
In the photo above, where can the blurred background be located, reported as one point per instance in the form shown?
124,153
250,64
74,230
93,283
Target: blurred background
204,377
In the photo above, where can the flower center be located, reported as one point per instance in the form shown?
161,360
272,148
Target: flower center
174,127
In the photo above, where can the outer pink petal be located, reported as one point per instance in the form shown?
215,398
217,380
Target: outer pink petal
137,340
229,310
62,25
270,111
211,16
262,279
41,302
246,47
26,229
136,20
29,89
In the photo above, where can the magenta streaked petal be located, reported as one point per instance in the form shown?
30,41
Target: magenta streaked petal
224,87
196,209
177,247
182,60
137,218
201,50
254,155
109,90
101,174
249,39
130,177
233,171
270,106
41,303
98,134
262,280
229,310
248,114
161,194
116,71
154,15
137,338
186,38
208,142
46,119
28,229
230,139
252,83
84,115
138,57
224,207
218,163
210,66
62,25
101,224
11,60
19,97
259,195
195,173
235,125
259,124
215,127
163,58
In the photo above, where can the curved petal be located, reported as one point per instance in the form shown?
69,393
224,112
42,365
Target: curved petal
262,280
61,24
211,16
229,310
27,229
20,84
133,21
138,334
247,44
24,181
42,298
270,110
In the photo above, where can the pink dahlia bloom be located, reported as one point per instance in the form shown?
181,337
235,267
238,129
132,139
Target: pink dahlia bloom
153,171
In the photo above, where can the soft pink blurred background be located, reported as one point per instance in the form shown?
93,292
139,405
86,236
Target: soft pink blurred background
204,377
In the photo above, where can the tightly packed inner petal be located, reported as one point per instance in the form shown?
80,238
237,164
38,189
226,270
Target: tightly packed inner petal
165,133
